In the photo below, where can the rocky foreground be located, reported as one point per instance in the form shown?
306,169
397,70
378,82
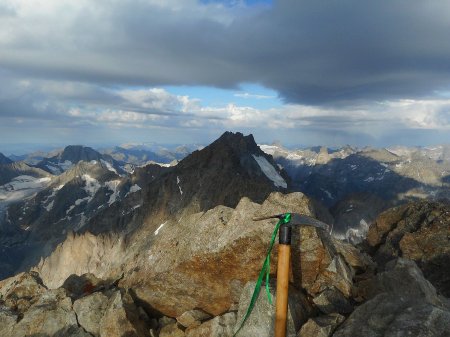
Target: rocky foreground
194,277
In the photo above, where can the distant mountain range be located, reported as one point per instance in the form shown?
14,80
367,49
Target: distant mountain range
80,189
141,154
88,191
357,184
117,236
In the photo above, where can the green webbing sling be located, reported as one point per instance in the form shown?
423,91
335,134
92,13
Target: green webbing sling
265,271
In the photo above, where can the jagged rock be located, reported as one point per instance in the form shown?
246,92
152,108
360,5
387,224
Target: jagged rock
332,301
337,274
404,278
21,291
262,319
320,261
322,326
171,276
220,326
7,320
387,316
419,231
201,260
72,331
358,260
89,254
171,330
121,318
48,316
90,310
192,318
85,284
402,303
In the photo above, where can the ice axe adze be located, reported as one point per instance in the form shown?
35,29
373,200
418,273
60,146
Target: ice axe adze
287,220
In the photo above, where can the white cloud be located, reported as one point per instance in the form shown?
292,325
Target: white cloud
254,96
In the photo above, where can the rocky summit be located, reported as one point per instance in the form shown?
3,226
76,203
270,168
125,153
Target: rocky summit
168,251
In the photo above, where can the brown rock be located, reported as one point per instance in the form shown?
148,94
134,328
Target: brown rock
184,270
171,330
220,326
83,285
192,318
21,291
385,222
419,231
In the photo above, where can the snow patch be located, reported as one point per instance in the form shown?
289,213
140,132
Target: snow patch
65,165
358,234
92,184
159,228
70,209
134,188
20,188
112,185
179,187
49,207
270,172
80,201
294,156
55,170
328,193
108,166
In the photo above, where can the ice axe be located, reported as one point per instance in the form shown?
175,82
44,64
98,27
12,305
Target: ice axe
284,257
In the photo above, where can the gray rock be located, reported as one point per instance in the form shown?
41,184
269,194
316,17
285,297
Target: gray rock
90,310
72,331
401,303
387,315
193,318
51,314
403,277
7,320
332,301
262,319
163,321
322,326
220,326
121,318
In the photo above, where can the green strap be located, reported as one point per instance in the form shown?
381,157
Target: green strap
265,271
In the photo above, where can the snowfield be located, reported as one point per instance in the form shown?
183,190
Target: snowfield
270,171
20,188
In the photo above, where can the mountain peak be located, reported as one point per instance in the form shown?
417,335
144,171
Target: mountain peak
4,159
238,142
76,153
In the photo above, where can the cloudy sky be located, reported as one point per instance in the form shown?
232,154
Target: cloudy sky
303,72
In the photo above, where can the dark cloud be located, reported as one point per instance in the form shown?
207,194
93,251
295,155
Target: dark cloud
311,52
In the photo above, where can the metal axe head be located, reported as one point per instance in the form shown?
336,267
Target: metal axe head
298,220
